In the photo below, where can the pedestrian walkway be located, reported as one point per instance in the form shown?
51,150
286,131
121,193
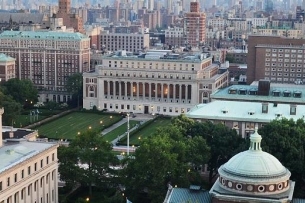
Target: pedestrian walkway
114,126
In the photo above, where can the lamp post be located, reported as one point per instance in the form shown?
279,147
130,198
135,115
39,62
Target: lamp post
127,134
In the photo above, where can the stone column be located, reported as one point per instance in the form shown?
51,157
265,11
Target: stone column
162,91
149,84
120,90
180,93
114,89
186,93
174,93
125,90
138,91
144,98
108,89
168,92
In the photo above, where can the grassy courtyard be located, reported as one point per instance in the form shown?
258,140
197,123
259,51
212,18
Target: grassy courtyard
147,130
68,126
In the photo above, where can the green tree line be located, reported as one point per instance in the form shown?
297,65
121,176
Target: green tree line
173,156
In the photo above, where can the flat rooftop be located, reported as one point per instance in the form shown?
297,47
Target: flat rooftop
281,93
166,55
16,151
244,111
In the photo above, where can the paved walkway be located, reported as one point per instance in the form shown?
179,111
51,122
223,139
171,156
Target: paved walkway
138,117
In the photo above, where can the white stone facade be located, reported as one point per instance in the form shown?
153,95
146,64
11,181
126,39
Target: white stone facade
151,85
31,178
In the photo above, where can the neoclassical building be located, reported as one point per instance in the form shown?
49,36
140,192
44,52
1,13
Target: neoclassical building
28,170
253,176
156,82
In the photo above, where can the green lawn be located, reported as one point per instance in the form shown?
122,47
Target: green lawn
68,126
25,119
119,131
147,130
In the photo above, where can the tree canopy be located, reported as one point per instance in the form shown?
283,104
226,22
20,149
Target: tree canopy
87,160
22,91
168,157
285,139
74,86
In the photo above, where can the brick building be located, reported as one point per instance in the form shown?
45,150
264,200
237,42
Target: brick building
194,25
70,20
275,58
48,59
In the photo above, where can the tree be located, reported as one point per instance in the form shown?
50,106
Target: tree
22,91
74,85
88,161
285,139
167,157
224,144
11,109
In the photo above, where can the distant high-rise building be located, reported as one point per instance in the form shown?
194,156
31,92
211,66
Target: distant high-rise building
70,20
275,58
194,25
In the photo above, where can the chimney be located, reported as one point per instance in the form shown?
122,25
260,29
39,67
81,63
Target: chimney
11,133
293,109
264,107
1,112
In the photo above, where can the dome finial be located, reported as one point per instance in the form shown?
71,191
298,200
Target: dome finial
255,141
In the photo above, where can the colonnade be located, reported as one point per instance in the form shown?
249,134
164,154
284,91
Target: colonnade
147,90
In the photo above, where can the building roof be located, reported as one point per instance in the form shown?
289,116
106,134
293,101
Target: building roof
50,35
17,133
224,94
254,164
21,17
164,55
244,111
5,58
296,200
182,195
14,152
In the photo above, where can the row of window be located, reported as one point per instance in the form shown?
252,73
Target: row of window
278,69
285,74
285,65
169,76
286,50
29,190
29,172
140,107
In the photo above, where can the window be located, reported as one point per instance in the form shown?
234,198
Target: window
29,170
15,178
22,174
47,159
53,155
8,181
29,189
1,186
35,167
41,163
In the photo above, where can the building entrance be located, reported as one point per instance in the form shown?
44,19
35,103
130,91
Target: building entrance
145,109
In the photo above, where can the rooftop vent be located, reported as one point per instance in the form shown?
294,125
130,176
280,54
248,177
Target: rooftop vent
242,91
251,112
286,93
276,93
297,94
224,110
232,90
253,91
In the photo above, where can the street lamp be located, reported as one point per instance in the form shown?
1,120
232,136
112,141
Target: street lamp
127,134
